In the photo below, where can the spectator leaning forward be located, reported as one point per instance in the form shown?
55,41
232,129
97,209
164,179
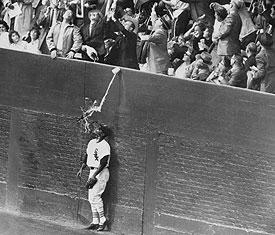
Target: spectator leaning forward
64,38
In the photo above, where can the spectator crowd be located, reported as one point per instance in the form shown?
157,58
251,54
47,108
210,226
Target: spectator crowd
222,42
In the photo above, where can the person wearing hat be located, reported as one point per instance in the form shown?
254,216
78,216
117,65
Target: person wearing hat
202,67
97,159
183,68
236,76
158,57
228,34
92,33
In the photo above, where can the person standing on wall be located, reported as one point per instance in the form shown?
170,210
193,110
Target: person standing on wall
97,159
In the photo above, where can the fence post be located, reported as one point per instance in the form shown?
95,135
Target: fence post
150,184
13,162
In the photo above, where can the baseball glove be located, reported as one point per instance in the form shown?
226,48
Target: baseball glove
90,183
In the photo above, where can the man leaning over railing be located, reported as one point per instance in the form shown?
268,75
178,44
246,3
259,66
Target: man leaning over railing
64,39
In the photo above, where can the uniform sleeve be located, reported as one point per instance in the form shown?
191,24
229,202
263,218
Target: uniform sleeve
104,150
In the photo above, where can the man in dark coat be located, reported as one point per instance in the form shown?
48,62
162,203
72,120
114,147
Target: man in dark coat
93,36
123,52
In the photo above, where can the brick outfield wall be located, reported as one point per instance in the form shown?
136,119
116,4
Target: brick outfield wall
187,157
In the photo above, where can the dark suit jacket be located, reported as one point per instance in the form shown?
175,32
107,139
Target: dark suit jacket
96,38
124,51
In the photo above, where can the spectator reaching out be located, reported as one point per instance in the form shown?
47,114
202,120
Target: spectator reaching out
93,47
123,52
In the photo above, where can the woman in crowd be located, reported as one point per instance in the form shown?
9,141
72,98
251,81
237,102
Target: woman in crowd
33,44
15,41
206,42
194,35
182,70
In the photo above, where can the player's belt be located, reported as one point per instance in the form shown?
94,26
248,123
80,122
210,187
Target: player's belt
93,168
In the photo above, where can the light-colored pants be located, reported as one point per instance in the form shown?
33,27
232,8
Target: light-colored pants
94,194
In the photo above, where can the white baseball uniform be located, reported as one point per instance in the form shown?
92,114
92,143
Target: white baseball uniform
95,152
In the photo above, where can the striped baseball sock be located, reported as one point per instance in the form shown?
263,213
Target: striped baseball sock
95,216
100,211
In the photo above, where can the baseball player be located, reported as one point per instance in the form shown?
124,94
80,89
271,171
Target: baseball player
97,159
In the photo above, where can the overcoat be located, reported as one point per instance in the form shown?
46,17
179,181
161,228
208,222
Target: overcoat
72,40
158,58
229,32
95,38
